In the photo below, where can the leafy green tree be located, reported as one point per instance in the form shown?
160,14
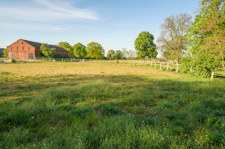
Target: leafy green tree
110,54
79,50
173,32
95,50
145,46
208,31
202,64
118,54
67,47
49,52
5,53
169,54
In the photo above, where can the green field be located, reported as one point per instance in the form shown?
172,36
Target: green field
108,105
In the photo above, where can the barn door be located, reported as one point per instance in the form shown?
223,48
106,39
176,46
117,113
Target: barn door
11,55
31,55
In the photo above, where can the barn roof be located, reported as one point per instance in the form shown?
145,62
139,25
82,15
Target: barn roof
38,45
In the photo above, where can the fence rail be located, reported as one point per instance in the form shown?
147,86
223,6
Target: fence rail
152,63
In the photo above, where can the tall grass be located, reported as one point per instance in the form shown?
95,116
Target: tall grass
123,111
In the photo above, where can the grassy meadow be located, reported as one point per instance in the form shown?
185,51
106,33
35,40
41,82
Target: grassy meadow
108,105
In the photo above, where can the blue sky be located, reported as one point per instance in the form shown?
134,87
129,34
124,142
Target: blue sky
115,24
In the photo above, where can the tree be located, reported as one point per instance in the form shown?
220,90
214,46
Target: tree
67,47
49,52
118,54
208,31
110,54
5,53
79,50
125,53
145,46
173,32
169,54
131,53
95,50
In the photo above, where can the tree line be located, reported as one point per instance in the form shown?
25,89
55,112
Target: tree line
200,44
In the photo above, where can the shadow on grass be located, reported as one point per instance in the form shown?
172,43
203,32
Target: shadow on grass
97,112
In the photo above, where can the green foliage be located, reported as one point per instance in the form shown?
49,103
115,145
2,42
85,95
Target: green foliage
207,32
95,50
202,64
186,65
57,55
5,53
79,50
109,109
67,47
49,52
118,54
169,54
173,35
145,46
82,112
13,61
110,54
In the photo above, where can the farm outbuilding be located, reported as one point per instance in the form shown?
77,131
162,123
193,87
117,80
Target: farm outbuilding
25,49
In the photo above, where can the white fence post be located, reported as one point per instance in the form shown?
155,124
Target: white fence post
177,68
191,68
71,60
212,75
5,60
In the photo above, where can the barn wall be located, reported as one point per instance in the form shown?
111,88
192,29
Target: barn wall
20,50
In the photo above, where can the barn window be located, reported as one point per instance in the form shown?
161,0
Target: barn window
18,42
22,43
17,48
11,48
23,48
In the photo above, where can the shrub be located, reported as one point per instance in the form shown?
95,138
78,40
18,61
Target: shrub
186,65
13,60
57,55
202,64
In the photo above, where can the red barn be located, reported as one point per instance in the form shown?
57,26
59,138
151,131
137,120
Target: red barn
24,49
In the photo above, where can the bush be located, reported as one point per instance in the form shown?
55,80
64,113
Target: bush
13,60
57,55
186,65
202,64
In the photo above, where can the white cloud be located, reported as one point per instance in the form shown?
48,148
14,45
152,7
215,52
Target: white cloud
58,28
47,11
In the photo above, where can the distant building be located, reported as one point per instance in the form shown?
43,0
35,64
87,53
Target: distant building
1,52
24,49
